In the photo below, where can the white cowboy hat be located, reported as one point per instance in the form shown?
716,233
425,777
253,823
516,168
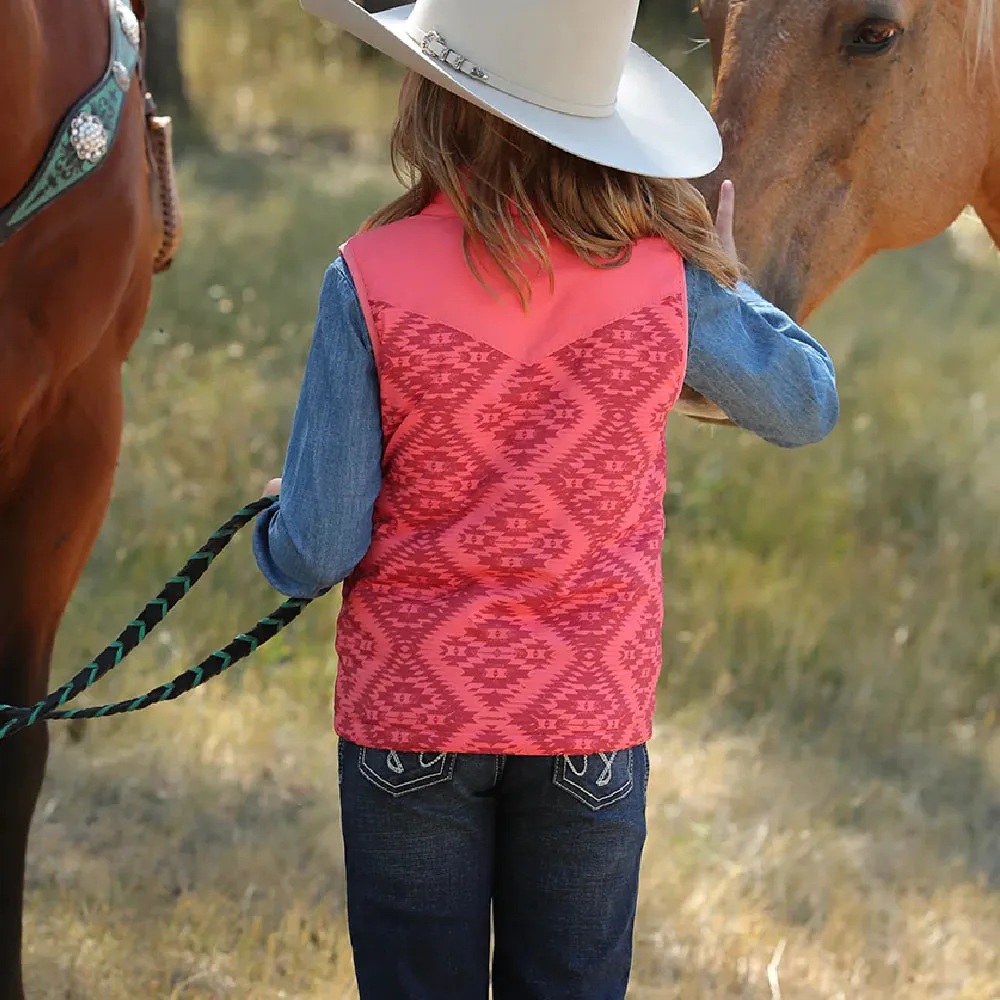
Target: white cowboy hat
564,70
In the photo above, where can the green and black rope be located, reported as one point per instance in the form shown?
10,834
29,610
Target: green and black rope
52,706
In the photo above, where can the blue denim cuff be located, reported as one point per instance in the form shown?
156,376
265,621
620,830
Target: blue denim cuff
278,558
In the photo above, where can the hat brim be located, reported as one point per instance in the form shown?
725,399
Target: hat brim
659,127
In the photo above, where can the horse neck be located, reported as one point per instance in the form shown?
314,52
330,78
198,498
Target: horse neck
22,57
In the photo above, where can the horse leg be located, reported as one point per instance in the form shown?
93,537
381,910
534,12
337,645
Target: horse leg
23,674
48,524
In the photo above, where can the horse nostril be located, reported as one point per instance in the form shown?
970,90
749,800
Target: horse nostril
784,293
777,278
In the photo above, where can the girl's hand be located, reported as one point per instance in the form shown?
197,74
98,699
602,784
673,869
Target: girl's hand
272,489
724,220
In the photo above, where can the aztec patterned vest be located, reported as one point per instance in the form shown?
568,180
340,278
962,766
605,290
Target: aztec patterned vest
511,601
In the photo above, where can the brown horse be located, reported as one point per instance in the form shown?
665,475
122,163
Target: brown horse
77,256
850,127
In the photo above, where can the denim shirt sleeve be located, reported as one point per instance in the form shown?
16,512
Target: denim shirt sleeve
321,527
768,375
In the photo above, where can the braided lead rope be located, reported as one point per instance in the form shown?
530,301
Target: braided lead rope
178,587
213,665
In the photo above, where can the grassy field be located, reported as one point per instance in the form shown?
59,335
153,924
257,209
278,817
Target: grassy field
825,798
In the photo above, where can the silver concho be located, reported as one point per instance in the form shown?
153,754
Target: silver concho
121,74
129,22
435,46
89,137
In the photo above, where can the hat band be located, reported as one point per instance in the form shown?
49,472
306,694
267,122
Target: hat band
435,46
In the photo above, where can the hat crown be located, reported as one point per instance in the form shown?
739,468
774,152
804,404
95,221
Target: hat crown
564,55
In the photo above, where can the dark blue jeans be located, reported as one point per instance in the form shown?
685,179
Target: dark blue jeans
433,841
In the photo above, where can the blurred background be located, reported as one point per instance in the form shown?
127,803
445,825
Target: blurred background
825,798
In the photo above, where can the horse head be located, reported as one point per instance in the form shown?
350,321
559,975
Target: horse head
849,127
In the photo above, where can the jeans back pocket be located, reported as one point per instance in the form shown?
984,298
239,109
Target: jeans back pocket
598,779
400,773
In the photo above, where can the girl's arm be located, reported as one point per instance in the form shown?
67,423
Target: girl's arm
321,528
746,356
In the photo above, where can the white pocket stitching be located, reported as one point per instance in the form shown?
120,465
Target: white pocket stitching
579,791
395,764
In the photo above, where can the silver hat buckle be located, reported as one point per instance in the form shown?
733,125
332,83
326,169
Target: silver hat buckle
436,47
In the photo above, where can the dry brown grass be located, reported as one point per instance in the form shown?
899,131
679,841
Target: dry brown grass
203,860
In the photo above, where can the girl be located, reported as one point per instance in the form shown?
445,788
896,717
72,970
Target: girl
478,452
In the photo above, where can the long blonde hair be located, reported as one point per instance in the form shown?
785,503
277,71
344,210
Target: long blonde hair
513,192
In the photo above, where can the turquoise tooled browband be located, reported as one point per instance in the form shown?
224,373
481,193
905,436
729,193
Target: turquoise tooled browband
87,133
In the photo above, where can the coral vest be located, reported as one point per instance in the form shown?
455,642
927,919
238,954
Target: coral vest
511,600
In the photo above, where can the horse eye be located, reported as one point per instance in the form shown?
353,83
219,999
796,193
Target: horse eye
872,37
